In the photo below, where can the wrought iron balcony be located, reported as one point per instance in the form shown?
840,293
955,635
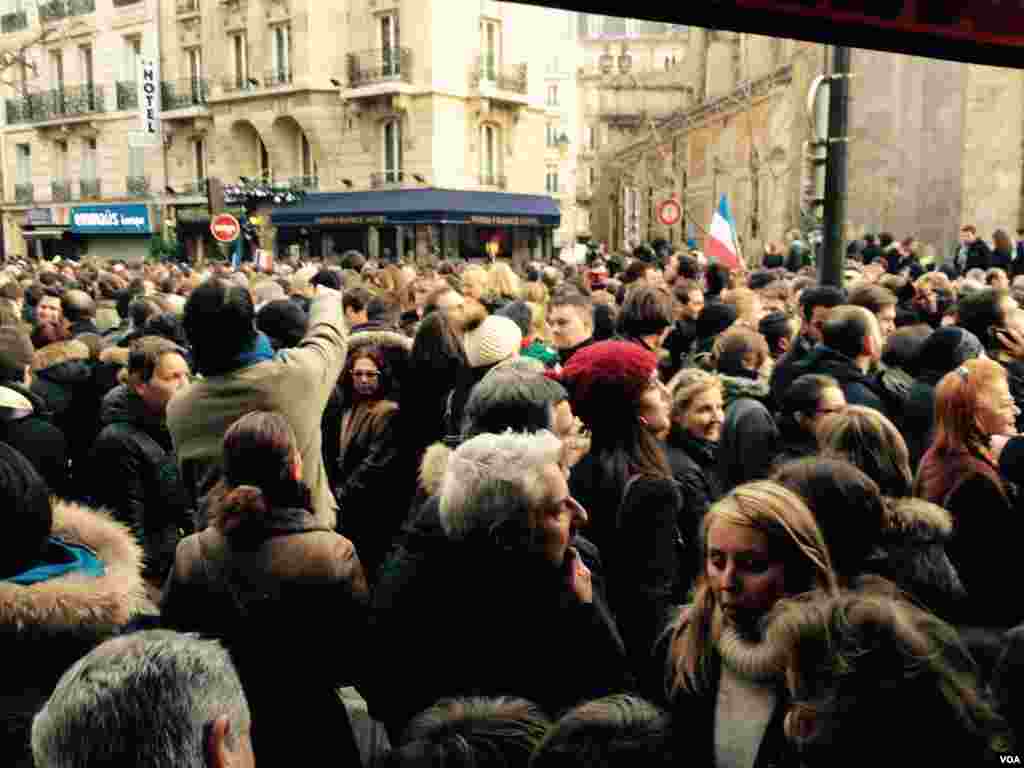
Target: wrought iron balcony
60,191
52,105
61,9
197,187
492,180
181,94
306,183
127,94
24,193
13,22
275,78
187,6
89,188
389,179
487,72
137,186
380,65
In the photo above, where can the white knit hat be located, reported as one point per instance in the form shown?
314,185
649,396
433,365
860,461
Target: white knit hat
497,338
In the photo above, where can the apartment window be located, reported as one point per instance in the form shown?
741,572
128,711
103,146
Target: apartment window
591,176
489,154
194,59
552,96
85,55
199,157
550,135
57,68
282,53
24,163
240,60
392,151
491,44
132,57
89,160
551,181
60,161
136,162
390,44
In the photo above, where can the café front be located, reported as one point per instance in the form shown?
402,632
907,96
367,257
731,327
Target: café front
423,223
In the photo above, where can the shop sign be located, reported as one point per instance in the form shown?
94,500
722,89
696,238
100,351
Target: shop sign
505,221
111,220
345,220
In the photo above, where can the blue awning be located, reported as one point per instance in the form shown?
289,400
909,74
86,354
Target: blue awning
419,206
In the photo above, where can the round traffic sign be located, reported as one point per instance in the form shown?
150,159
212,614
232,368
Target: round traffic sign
669,212
225,228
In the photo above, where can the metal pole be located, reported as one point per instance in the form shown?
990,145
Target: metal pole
830,268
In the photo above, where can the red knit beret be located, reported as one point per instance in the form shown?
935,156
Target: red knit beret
608,374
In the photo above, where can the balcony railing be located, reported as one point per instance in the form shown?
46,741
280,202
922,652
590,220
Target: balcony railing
60,191
275,78
123,3
187,6
379,66
127,94
13,22
512,79
24,193
137,186
492,180
89,188
305,183
197,187
181,94
53,105
61,9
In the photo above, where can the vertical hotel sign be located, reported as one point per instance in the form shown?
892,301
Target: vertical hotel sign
149,99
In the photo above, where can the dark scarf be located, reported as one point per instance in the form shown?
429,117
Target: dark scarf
259,351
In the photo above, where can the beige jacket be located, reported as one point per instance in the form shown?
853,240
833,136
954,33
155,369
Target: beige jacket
296,383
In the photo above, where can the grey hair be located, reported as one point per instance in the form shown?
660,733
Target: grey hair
494,479
510,394
144,699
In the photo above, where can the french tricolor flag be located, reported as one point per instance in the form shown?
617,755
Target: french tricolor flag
722,241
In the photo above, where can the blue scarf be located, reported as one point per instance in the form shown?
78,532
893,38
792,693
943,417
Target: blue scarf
260,351
62,559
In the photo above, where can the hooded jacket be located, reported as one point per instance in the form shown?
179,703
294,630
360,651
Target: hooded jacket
50,624
134,473
25,425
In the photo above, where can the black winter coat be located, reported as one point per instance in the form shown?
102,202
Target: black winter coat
919,415
786,370
694,465
37,439
858,387
135,475
749,444
461,618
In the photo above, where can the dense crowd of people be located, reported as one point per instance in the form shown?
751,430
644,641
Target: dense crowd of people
643,511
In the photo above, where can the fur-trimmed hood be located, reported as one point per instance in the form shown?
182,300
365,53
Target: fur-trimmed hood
115,355
432,468
60,352
381,338
94,606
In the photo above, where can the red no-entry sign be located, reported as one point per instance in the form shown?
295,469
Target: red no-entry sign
669,212
225,228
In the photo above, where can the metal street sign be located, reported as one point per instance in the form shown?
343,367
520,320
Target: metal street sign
669,212
149,97
225,228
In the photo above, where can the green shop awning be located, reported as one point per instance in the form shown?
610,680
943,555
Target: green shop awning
419,206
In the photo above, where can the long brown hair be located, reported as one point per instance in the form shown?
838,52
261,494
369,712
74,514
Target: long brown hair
794,537
260,451
959,446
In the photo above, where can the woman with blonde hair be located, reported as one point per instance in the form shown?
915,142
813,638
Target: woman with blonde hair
959,472
725,676
503,283
535,344
868,440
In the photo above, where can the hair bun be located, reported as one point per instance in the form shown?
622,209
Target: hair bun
242,506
